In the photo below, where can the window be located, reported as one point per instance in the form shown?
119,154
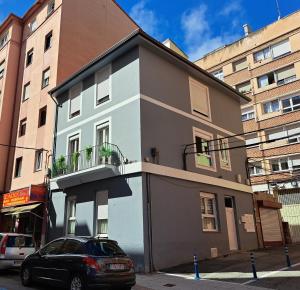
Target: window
18,167
240,64
248,115
2,67
33,25
251,140
285,75
266,80
244,87
102,214
294,130
29,57
262,54
280,165
3,39
295,162
48,41
103,85
290,104
72,150
75,100
209,212
204,157
46,78
43,116
276,133
54,248
72,247
51,7
219,74
26,92
200,98
272,106
22,128
71,216
224,153
255,169
38,164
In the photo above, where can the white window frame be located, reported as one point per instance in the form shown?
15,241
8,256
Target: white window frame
43,77
69,217
206,136
105,207
110,87
256,172
279,162
247,113
271,102
224,164
40,167
69,118
214,216
33,25
291,106
25,87
219,74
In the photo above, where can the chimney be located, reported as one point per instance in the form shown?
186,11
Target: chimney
247,29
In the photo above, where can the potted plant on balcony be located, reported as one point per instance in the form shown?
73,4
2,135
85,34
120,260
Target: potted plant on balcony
105,154
88,153
75,157
60,165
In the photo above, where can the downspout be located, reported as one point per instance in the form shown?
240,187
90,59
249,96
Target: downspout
149,223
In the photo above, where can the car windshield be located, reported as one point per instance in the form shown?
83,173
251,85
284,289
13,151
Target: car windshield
103,249
19,242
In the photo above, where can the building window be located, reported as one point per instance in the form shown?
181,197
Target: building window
51,7
29,57
75,100
199,98
240,64
43,116
266,80
280,165
22,129
294,130
48,41
3,39
38,160
46,78
262,54
26,92
204,158
33,25
224,153
248,115
290,104
72,151
209,212
71,216
255,169
244,88
103,85
218,74
18,167
2,67
102,214
285,75
252,140
272,106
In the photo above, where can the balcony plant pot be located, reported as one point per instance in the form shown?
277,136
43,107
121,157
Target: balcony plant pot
75,158
61,165
105,155
88,154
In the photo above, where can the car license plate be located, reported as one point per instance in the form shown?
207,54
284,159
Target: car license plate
117,267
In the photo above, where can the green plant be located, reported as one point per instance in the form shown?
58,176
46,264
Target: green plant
105,152
88,153
61,163
75,157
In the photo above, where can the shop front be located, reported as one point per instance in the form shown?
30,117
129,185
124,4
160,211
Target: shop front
24,211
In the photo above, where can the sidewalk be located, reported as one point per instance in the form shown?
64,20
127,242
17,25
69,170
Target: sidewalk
165,281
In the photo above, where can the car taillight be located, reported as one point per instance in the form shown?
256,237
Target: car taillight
92,263
3,246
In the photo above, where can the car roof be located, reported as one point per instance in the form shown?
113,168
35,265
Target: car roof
16,235
84,239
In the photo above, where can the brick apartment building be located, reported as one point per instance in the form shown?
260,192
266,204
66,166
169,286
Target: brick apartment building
37,52
265,65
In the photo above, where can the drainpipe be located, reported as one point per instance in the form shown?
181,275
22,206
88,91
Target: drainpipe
149,222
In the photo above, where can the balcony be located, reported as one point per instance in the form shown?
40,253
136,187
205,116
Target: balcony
91,164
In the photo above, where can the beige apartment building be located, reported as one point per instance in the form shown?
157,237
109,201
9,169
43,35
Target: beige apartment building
54,39
265,66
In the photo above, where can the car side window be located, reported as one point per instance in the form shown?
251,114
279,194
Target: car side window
53,248
72,247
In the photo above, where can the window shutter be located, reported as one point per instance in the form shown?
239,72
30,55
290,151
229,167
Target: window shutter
285,73
102,78
294,130
244,87
281,48
276,134
199,97
240,64
75,94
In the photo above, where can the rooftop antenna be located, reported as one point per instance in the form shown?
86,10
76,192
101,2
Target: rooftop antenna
278,10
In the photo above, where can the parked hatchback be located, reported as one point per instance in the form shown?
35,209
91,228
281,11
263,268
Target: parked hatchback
79,264
14,248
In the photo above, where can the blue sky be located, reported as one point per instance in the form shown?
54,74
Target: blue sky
197,26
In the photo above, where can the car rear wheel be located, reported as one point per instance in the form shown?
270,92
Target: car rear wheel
26,276
77,283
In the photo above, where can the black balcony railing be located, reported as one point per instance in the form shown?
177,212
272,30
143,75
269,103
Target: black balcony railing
104,154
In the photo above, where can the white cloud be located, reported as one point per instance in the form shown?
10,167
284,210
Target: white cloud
145,18
198,34
231,7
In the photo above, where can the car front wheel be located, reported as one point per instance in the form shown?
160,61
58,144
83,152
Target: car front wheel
26,277
77,283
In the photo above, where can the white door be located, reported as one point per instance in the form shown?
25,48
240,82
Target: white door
231,225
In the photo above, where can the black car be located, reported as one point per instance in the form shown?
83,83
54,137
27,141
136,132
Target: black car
80,264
